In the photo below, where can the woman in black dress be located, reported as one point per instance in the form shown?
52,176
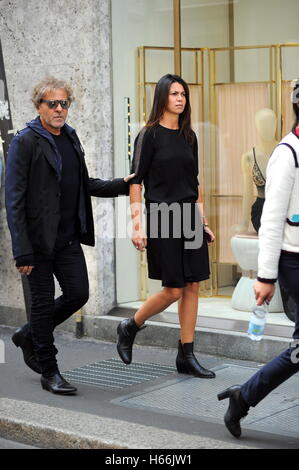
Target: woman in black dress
166,161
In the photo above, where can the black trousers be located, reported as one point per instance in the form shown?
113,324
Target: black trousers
68,266
287,363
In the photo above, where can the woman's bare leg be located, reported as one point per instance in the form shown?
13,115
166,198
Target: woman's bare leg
186,361
157,303
188,305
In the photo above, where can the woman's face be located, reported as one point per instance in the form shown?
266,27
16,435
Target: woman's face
176,99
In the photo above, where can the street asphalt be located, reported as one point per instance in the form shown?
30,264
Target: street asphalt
146,405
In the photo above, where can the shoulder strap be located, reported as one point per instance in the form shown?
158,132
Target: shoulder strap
293,152
138,148
254,154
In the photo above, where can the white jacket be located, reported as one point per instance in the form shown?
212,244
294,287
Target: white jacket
280,219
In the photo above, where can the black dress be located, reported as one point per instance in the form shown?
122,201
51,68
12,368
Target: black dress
177,250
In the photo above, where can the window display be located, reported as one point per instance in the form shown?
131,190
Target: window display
239,69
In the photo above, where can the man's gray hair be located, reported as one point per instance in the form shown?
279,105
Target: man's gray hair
49,84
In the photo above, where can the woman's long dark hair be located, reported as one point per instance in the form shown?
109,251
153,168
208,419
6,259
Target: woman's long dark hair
295,100
161,100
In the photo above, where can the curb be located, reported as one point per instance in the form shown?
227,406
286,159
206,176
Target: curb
223,343
232,345
56,428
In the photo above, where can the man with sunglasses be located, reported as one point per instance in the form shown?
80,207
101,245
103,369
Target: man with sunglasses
49,213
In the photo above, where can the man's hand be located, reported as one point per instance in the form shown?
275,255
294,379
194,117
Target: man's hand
263,292
128,178
25,269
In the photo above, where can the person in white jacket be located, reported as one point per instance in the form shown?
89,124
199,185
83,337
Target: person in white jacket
278,258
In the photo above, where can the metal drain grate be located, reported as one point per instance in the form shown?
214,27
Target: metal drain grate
113,373
278,413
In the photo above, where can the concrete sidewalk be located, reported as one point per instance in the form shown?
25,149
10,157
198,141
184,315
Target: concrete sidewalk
146,405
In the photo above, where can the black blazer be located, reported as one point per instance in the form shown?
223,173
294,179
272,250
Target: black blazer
32,191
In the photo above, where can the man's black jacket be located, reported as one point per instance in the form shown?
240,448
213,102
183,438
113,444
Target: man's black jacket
32,191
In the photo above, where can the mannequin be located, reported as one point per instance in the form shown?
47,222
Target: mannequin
254,164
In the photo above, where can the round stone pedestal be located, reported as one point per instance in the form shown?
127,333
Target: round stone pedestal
245,250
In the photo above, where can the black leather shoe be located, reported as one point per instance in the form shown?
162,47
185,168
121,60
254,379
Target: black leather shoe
26,344
237,409
186,363
127,330
57,384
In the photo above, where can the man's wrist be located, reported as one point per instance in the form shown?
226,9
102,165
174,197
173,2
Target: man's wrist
24,260
266,281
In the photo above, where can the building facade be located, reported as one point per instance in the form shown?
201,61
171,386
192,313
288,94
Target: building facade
72,41
238,57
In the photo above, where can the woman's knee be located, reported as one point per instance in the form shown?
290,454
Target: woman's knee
192,288
173,293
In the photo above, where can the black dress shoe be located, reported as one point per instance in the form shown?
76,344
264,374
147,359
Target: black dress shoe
186,363
57,384
237,409
26,344
127,330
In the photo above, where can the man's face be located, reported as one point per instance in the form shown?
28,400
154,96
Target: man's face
53,119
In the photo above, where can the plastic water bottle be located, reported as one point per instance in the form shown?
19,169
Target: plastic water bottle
257,322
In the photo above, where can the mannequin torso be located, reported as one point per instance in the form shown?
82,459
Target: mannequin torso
254,164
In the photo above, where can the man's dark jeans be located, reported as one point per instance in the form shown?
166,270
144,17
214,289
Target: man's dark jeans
68,266
287,363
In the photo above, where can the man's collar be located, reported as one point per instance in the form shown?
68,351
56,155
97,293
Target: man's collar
36,125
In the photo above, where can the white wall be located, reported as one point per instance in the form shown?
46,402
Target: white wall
266,22
204,23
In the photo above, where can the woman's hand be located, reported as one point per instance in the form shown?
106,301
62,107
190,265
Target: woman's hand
211,236
139,239
263,292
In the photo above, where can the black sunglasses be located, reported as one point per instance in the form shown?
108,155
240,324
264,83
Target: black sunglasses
53,104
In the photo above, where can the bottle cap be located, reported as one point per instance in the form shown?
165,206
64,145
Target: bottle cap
260,310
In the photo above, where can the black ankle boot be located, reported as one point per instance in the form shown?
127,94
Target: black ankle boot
127,330
55,383
186,363
26,344
237,409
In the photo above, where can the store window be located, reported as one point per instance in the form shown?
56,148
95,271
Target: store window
251,49
239,58
135,23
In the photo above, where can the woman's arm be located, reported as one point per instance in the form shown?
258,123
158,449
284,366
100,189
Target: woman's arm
204,217
139,238
143,152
